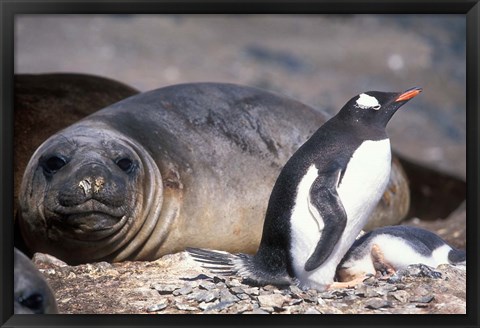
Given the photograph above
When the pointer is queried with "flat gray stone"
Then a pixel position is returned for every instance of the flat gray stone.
(377, 303)
(164, 289)
(158, 307)
(272, 300)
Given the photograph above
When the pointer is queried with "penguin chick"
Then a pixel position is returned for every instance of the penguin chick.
(389, 249)
(322, 198)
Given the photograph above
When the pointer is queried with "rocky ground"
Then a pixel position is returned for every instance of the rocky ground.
(175, 284)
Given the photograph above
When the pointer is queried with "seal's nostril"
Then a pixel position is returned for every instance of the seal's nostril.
(86, 185)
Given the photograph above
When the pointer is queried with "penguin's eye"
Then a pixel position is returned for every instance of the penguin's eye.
(33, 302)
(125, 164)
(52, 164)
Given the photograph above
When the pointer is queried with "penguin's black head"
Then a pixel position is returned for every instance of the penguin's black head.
(375, 108)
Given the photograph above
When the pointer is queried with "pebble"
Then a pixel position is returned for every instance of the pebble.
(206, 306)
(226, 296)
(164, 289)
(312, 311)
(295, 289)
(321, 301)
(158, 307)
(243, 296)
(269, 288)
(269, 309)
(311, 296)
(295, 301)
(327, 295)
(39, 258)
(401, 295)
(183, 291)
(272, 300)
(256, 311)
(367, 291)
(203, 296)
(421, 305)
(184, 307)
(244, 307)
(255, 291)
(217, 279)
(237, 290)
(377, 303)
(220, 306)
(422, 299)
(372, 281)
(207, 285)
(233, 283)
(388, 288)
(350, 298)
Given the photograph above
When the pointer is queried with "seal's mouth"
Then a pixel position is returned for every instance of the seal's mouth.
(89, 217)
(91, 221)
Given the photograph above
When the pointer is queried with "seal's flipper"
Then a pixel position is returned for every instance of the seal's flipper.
(324, 198)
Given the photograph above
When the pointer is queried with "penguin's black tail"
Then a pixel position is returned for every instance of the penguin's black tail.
(228, 264)
(217, 262)
(457, 257)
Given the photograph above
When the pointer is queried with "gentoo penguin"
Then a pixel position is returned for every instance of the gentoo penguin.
(389, 249)
(322, 198)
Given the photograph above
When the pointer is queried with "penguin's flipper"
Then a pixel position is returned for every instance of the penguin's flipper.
(325, 200)
(384, 269)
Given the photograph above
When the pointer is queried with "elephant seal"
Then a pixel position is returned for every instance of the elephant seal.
(185, 165)
(32, 294)
(47, 103)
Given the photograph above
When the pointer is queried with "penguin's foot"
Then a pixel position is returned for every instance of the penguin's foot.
(385, 272)
(347, 284)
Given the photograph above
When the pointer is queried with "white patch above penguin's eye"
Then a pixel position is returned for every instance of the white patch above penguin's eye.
(366, 101)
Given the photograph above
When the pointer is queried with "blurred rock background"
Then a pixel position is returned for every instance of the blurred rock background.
(321, 60)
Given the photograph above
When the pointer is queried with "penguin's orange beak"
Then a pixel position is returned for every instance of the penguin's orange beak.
(409, 94)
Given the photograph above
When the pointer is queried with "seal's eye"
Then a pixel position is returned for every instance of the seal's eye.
(33, 302)
(53, 164)
(125, 164)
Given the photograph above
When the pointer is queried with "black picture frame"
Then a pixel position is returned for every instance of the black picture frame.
(11, 8)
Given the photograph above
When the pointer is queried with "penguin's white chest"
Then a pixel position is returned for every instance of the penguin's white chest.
(364, 181)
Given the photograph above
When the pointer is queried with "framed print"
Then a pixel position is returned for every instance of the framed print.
(228, 159)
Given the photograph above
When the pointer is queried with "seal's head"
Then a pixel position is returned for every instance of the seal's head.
(86, 192)
(31, 292)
